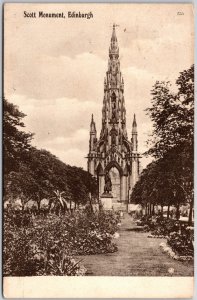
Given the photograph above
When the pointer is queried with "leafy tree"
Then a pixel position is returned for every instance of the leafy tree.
(158, 185)
(35, 174)
(21, 185)
(16, 143)
(180, 163)
(172, 114)
(169, 179)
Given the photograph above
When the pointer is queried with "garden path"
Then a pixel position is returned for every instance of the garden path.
(137, 255)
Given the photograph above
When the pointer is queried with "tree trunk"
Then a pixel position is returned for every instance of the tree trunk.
(177, 212)
(22, 204)
(162, 210)
(50, 204)
(65, 208)
(75, 205)
(153, 209)
(190, 212)
(146, 211)
(38, 202)
(149, 207)
(168, 213)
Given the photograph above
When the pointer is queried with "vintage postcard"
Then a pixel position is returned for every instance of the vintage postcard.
(98, 150)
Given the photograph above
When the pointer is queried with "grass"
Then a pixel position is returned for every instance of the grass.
(137, 256)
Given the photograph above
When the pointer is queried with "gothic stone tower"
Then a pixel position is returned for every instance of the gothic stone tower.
(113, 152)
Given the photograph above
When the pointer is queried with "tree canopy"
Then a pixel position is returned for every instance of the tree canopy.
(168, 180)
(16, 143)
(172, 114)
(33, 174)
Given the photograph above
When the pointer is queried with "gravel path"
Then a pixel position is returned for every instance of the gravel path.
(137, 255)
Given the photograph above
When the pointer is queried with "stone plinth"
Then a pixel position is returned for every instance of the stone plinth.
(120, 206)
(106, 200)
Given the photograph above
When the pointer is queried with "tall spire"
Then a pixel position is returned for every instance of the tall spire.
(134, 126)
(92, 125)
(93, 139)
(114, 38)
(134, 135)
(113, 112)
(113, 49)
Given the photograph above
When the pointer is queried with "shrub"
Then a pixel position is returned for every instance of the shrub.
(179, 236)
(182, 242)
(37, 246)
(158, 225)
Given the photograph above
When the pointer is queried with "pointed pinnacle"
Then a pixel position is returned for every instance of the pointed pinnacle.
(134, 121)
(92, 125)
(114, 38)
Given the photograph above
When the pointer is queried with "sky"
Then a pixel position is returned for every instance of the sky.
(54, 69)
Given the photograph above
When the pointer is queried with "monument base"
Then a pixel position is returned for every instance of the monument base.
(106, 200)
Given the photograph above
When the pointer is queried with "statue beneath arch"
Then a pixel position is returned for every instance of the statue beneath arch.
(108, 183)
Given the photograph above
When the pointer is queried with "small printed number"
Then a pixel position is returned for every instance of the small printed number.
(180, 13)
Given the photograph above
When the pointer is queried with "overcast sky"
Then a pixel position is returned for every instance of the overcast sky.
(55, 68)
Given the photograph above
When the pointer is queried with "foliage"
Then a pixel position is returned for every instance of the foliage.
(16, 143)
(158, 225)
(42, 174)
(32, 174)
(169, 179)
(23, 257)
(180, 236)
(172, 114)
(164, 227)
(182, 242)
(33, 247)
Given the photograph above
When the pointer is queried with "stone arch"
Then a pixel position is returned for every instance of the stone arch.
(116, 173)
(112, 164)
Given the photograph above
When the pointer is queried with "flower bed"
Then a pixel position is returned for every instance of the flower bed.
(182, 242)
(180, 237)
(158, 226)
(167, 249)
(37, 246)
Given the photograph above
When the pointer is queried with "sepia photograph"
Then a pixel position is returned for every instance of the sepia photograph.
(98, 150)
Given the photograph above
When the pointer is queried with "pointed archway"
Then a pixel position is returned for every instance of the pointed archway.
(115, 172)
(115, 180)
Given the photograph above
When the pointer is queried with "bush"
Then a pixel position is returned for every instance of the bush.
(37, 246)
(182, 242)
(18, 218)
(179, 236)
(158, 225)
(164, 227)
